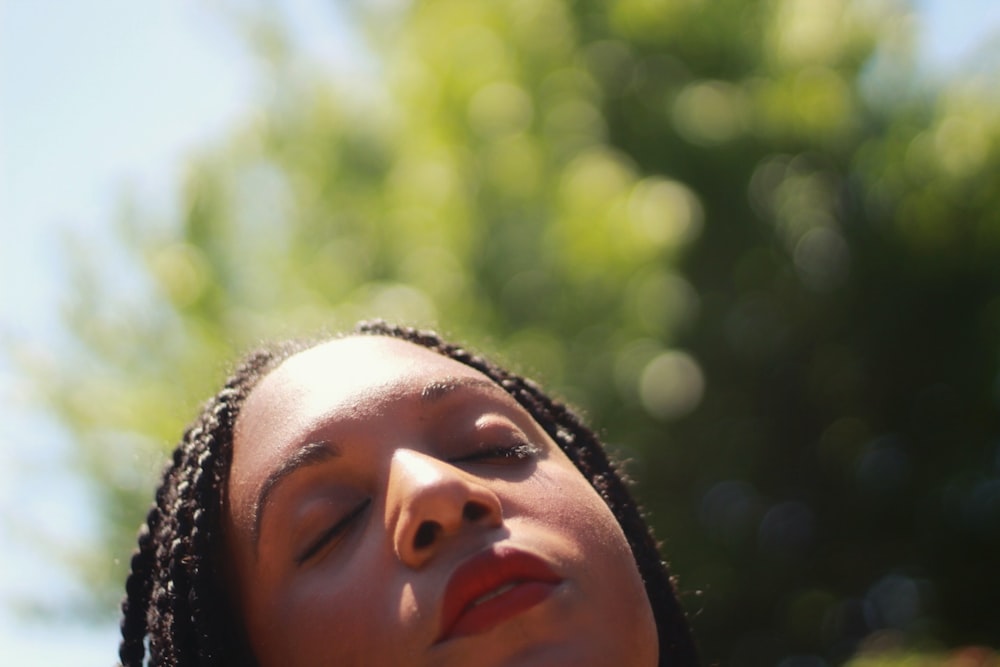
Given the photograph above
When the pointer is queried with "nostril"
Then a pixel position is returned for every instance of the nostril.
(426, 534)
(473, 511)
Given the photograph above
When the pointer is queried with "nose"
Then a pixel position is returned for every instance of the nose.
(431, 501)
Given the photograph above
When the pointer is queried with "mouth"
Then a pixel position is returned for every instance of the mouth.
(491, 587)
(494, 594)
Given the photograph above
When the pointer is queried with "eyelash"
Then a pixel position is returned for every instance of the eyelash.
(333, 532)
(521, 451)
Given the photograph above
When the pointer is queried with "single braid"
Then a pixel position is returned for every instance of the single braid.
(133, 624)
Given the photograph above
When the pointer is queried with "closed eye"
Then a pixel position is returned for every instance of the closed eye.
(501, 454)
(332, 533)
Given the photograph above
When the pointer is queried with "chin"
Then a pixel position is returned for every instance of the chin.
(547, 637)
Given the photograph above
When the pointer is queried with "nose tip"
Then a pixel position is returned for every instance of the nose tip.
(433, 501)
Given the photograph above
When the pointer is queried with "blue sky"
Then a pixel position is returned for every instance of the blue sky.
(104, 97)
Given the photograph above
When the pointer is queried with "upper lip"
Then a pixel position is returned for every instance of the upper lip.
(485, 572)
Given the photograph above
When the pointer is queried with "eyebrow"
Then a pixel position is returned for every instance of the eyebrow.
(311, 454)
(439, 389)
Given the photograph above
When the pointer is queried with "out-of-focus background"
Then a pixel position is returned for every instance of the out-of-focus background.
(757, 242)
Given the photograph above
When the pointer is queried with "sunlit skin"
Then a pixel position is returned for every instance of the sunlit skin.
(367, 471)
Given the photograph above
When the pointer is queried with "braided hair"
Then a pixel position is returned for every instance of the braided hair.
(176, 611)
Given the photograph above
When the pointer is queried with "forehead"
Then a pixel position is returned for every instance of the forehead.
(355, 375)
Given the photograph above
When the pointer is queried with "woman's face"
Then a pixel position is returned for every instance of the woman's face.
(390, 506)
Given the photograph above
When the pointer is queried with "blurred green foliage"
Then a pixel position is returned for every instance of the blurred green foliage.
(969, 656)
(740, 234)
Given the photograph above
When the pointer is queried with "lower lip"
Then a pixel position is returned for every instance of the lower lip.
(495, 611)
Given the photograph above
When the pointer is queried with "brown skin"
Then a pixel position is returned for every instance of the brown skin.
(414, 434)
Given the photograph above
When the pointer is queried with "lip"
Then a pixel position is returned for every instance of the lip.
(491, 587)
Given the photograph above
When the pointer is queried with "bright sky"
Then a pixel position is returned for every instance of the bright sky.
(102, 97)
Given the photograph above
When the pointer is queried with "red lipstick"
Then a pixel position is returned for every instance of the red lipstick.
(491, 587)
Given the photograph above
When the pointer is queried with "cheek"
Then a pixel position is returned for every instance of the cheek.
(318, 619)
(561, 497)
